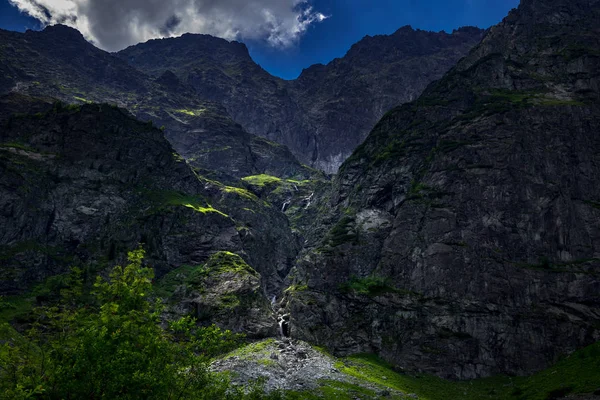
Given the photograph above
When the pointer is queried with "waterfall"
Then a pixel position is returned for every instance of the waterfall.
(309, 200)
(281, 333)
(284, 325)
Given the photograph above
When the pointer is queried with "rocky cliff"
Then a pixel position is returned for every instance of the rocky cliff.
(465, 236)
(82, 185)
(460, 239)
(324, 114)
(58, 62)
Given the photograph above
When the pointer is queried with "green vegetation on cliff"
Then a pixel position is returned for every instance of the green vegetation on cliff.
(578, 373)
(262, 180)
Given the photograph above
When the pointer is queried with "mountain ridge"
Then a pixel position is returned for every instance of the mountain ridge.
(328, 110)
(468, 217)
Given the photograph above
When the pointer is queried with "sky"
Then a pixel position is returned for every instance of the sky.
(283, 36)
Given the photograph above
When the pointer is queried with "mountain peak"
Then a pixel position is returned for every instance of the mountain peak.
(404, 30)
(63, 31)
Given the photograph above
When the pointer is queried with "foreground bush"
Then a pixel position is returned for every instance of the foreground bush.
(112, 347)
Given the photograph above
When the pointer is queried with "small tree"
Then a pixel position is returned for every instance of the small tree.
(113, 350)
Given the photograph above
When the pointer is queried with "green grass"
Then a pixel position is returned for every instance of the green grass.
(342, 232)
(261, 180)
(370, 286)
(219, 263)
(205, 210)
(578, 373)
(370, 376)
(240, 192)
(164, 198)
(225, 261)
(178, 158)
(191, 113)
(222, 262)
(296, 288)
(253, 351)
(82, 99)
(166, 286)
(331, 389)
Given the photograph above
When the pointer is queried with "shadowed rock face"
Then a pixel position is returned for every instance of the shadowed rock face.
(84, 185)
(466, 229)
(59, 63)
(324, 114)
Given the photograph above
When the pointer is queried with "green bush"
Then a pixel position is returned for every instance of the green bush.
(112, 347)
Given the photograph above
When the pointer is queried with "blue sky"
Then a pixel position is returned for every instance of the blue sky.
(348, 21)
(351, 20)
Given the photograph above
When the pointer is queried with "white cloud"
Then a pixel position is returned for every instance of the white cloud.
(115, 24)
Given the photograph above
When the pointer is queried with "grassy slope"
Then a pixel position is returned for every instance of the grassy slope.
(578, 373)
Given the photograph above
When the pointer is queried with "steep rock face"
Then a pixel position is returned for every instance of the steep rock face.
(58, 62)
(344, 99)
(225, 290)
(81, 185)
(466, 228)
(324, 114)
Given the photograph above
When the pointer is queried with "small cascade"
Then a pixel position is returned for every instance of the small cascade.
(284, 321)
(309, 200)
(285, 204)
(281, 334)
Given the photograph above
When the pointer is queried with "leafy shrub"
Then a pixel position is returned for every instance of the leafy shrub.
(113, 347)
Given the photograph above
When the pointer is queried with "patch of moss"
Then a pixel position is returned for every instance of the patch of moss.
(82, 99)
(253, 351)
(167, 285)
(229, 300)
(296, 288)
(205, 210)
(164, 198)
(370, 286)
(191, 113)
(262, 180)
(331, 389)
(342, 232)
(219, 263)
(240, 192)
(578, 373)
(178, 158)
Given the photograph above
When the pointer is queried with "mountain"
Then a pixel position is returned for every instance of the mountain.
(58, 62)
(328, 111)
(460, 239)
(82, 185)
(464, 236)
